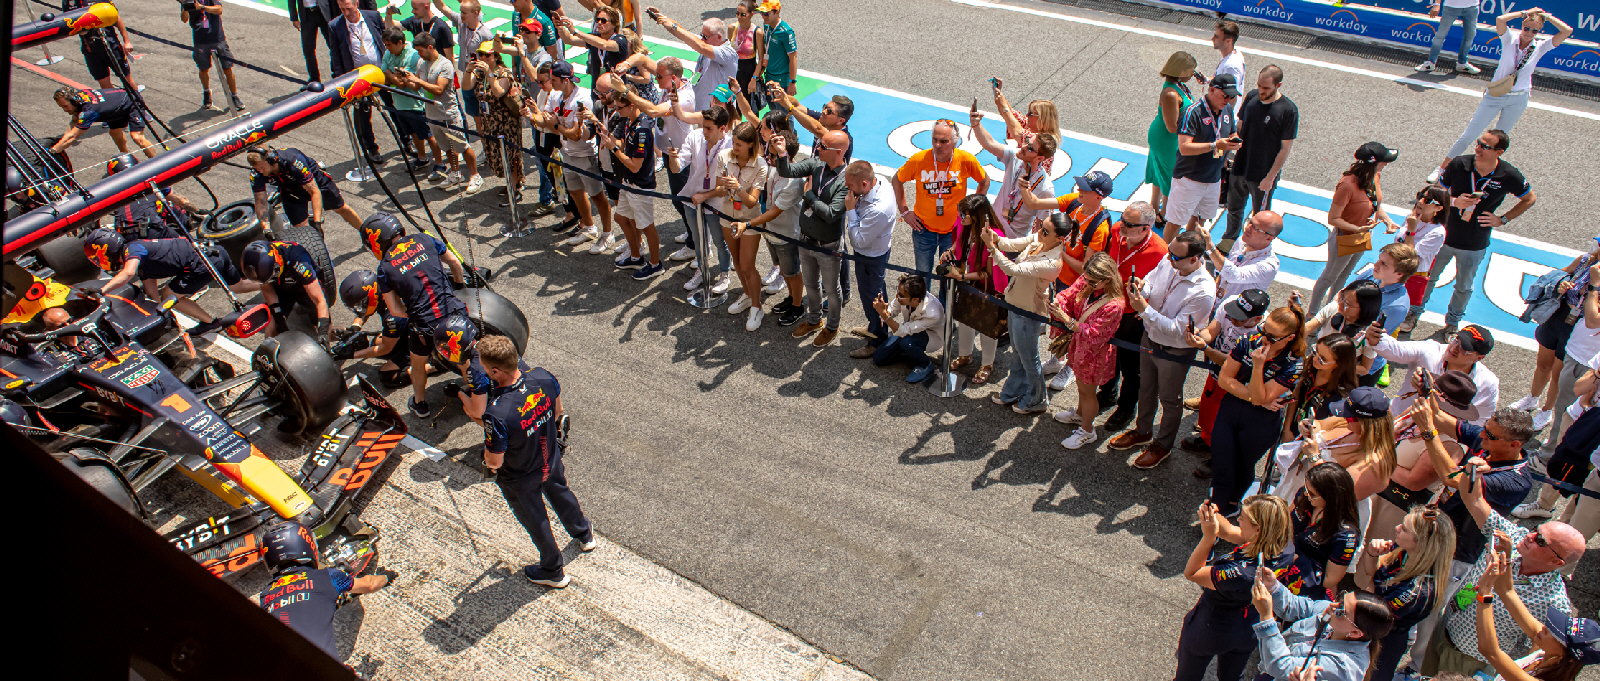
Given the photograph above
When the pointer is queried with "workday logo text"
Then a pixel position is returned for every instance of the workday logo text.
(1271, 9)
(1344, 20)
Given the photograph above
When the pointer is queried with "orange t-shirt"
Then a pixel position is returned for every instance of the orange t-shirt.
(940, 184)
(1089, 236)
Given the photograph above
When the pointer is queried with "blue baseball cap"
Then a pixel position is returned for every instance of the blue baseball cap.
(1580, 635)
(1365, 402)
(1094, 181)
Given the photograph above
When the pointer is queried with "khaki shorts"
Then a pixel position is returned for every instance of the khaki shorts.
(639, 208)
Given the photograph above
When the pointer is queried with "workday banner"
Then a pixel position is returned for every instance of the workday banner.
(1406, 22)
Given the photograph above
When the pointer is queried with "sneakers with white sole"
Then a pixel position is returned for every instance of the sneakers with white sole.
(1079, 439)
(740, 305)
(1052, 365)
(694, 282)
(753, 322)
(1532, 510)
(1061, 380)
(773, 275)
(774, 287)
(681, 238)
(624, 253)
(682, 254)
(1068, 416)
(453, 178)
(721, 284)
(1424, 67)
(1468, 69)
(474, 184)
(1433, 177)
(602, 244)
(580, 237)
(1527, 403)
(1543, 418)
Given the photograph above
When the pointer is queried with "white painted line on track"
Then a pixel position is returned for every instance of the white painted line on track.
(1275, 56)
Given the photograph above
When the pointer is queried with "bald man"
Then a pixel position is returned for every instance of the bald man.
(822, 218)
(1249, 263)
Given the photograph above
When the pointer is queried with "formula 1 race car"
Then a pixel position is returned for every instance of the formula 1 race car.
(119, 396)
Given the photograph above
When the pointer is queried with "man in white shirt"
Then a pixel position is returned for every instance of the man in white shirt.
(1465, 353)
(1224, 40)
(1251, 262)
(915, 323)
(869, 211)
(1025, 167)
(719, 59)
(1177, 297)
(574, 123)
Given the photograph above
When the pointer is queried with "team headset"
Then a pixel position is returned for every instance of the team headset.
(267, 154)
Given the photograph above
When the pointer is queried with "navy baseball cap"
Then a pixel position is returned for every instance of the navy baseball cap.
(1580, 635)
(562, 70)
(1248, 305)
(1365, 402)
(1094, 181)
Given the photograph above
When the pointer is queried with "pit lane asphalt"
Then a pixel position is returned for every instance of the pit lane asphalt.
(914, 537)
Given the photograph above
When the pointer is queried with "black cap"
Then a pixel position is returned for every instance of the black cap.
(1227, 83)
(1247, 305)
(1365, 402)
(1474, 338)
(1375, 152)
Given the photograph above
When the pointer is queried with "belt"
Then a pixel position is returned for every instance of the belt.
(813, 242)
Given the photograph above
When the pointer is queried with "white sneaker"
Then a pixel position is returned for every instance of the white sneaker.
(624, 253)
(682, 254)
(474, 184)
(1062, 379)
(1468, 69)
(773, 276)
(1052, 365)
(1068, 416)
(1078, 439)
(740, 305)
(1543, 418)
(753, 322)
(775, 286)
(614, 243)
(1433, 177)
(1424, 67)
(682, 238)
(694, 281)
(1532, 510)
(453, 178)
(580, 237)
(694, 265)
(721, 284)
(602, 244)
(1527, 403)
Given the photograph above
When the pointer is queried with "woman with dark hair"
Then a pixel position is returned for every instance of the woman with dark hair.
(1325, 532)
(1218, 626)
(1565, 646)
(1162, 138)
(1411, 570)
(971, 263)
(1350, 312)
(1258, 377)
(1342, 648)
(1357, 208)
(1552, 335)
(1330, 375)
(1425, 234)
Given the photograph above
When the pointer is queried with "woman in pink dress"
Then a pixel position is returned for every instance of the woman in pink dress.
(1092, 308)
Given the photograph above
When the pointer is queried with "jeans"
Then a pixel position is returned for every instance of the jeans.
(1024, 385)
(526, 497)
(311, 21)
(1239, 190)
(714, 229)
(912, 349)
(1448, 16)
(545, 144)
(1161, 384)
(1467, 264)
(1508, 109)
(928, 245)
(1335, 273)
(869, 285)
(821, 271)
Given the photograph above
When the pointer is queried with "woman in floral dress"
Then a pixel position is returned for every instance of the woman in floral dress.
(1092, 307)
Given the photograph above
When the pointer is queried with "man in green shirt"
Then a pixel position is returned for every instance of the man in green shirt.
(783, 53)
(400, 63)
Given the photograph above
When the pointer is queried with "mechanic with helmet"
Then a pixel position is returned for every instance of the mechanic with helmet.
(414, 283)
(151, 260)
(288, 279)
(456, 341)
(301, 595)
(113, 107)
(304, 188)
(149, 216)
(359, 293)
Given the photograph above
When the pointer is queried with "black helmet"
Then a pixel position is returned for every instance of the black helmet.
(103, 247)
(359, 292)
(260, 261)
(13, 413)
(120, 163)
(455, 338)
(380, 230)
(289, 544)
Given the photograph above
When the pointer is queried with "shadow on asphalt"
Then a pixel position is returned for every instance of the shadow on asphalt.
(492, 598)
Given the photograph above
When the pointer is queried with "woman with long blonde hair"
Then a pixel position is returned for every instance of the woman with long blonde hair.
(1091, 309)
(1412, 569)
(1219, 625)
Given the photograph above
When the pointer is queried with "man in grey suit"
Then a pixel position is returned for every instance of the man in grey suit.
(355, 38)
(822, 217)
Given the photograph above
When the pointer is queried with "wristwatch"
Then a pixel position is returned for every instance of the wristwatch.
(1505, 219)
(1429, 434)
(1485, 599)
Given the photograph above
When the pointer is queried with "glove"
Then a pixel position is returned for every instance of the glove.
(315, 224)
(323, 326)
(280, 319)
(348, 348)
(452, 390)
(457, 285)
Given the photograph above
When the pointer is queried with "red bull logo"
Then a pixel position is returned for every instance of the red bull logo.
(288, 579)
(529, 403)
(99, 254)
(451, 347)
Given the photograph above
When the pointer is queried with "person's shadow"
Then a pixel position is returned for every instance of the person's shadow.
(481, 606)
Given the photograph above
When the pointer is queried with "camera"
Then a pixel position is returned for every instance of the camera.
(655, 14)
(189, 6)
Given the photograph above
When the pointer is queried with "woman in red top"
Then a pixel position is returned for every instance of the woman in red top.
(973, 215)
(1092, 308)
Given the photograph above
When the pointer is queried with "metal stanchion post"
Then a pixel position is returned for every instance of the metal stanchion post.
(48, 58)
(704, 298)
(948, 383)
(360, 173)
(516, 228)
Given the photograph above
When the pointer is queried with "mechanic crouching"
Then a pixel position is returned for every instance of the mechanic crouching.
(151, 260)
(288, 279)
(359, 293)
(149, 216)
(417, 277)
(303, 596)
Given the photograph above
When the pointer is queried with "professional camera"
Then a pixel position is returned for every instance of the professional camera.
(189, 6)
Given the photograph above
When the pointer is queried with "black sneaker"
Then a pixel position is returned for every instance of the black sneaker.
(418, 163)
(790, 314)
(420, 410)
(631, 263)
(1119, 421)
(555, 579)
(205, 101)
(238, 104)
(648, 271)
(540, 210)
(568, 228)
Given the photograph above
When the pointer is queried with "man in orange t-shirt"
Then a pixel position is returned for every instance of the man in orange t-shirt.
(941, 175)
(1086, 209)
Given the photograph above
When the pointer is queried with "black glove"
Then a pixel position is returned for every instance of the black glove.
(323, 325)
(457, 285)
(315, 224)
(205, 327)
(452, 390)
(348, 348)
(280, 319)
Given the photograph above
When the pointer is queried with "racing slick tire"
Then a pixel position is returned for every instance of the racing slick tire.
(232, 227)
(94, 468)
(305, 380)
(496, 316)
(311, 239)
(64, 254)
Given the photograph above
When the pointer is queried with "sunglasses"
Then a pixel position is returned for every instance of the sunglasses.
(601, 20)
(1175, 258)
(1136, 225)
(1269, 337)
(1488, 147)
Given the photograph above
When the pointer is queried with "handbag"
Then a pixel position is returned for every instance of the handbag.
(1501, 87)
(976, 307)
(1059, 345)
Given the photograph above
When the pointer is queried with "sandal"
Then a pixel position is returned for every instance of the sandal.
(960, 363)
(982, 376)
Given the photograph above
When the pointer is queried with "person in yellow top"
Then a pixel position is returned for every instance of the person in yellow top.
(941, 175)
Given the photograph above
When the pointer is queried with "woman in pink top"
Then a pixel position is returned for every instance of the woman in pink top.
(973, 214)
(1093, 308)
(743, 36)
